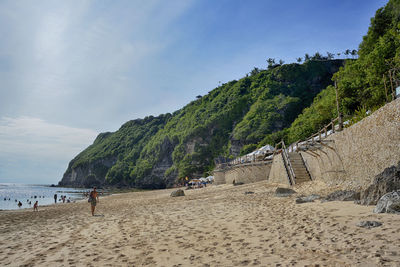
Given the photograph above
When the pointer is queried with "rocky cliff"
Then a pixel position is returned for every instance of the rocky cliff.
(156, 151)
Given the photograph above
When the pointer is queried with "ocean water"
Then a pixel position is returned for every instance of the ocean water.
(10, 192)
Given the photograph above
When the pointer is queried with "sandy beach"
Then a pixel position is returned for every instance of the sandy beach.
(213, 226)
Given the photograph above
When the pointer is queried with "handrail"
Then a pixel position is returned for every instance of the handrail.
(292, 175)
(286, 162)
(246, 159)
(307, 167)
(324, 130)
(323, 133)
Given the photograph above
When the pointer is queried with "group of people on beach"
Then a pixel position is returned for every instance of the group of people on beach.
(93, 200)
(19, 203)
(62, 198)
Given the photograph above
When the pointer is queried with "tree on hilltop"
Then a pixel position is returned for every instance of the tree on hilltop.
(330, 55)
(271, 62)
(255, 71)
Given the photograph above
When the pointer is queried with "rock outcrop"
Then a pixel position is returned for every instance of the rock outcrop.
(178, 193)
(369, 224)
(389, 203)
(88, 174)
(306, 199)
(385, 182)
(343, 195)
(284, 192)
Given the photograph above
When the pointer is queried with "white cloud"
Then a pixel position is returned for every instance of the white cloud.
(81, 62)
(33, 138)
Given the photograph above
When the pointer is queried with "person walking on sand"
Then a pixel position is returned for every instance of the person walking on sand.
(93, 199)
(35, 206)
(55, 198)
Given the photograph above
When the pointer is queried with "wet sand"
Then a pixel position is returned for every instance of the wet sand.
(213, 226)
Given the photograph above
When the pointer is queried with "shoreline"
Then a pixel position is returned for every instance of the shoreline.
(220, 225)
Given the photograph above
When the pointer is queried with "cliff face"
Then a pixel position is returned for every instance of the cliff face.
(89, 174)
(154, 152)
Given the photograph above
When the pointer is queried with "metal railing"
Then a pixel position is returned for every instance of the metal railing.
(286, 162)
(330, 128)
(323, 133)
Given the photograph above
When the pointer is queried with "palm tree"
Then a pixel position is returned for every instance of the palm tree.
(255, 71)
(317, 56)
(271, 62)
(354, 53)
(347, 52)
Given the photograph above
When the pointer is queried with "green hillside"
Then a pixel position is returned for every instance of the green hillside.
(154, 152)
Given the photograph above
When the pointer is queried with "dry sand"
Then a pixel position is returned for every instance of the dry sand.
(213, 226)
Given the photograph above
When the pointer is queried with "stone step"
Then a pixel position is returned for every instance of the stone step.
(303, 177)
(298, 165)
(301, 181)
(303, 174)
(299, 168)
(299, 176)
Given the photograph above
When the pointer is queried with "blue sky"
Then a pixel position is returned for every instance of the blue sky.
(72, 69)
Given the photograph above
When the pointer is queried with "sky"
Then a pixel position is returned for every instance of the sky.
(72, 69)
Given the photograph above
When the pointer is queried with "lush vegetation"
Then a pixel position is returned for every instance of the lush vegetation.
(153, 152)
(286, 101)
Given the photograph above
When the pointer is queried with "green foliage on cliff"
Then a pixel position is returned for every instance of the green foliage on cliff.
(153, 152)
(112, 154)
(361, 82)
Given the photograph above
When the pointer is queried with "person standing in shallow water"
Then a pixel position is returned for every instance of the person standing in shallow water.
(55, 198)
(35, 206)
(93, 199)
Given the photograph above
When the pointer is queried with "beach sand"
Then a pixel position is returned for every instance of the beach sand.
(213, 226)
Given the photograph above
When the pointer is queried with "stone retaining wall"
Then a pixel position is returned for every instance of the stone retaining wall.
(248, 173)
(219, 176)
(278, 172)
(358, 153)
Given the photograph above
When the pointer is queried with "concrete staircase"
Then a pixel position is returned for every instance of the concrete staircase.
(299, 168)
